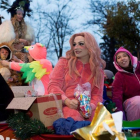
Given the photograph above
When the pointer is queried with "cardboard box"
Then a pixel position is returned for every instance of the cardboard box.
(19, 91)
(45, 108)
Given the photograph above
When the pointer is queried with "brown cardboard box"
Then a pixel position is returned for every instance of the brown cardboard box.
(45, 108)
(19, 91)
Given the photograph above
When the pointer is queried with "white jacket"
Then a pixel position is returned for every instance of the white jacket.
(7, 33)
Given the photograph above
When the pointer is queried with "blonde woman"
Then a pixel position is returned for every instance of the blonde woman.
(16, 32)
(82, 64)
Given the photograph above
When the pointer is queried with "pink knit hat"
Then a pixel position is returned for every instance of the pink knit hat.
(133, 59)
(122, 49)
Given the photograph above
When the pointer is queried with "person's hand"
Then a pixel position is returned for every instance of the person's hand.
(24, 41)
(14, 58)
(71, 103)
(4, 63)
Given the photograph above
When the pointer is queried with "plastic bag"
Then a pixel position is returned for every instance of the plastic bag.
(83, 94)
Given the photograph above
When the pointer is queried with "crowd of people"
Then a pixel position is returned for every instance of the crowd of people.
(81, 71)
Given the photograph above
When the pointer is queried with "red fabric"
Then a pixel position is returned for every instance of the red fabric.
(57, 137)
(62, 82)
(5, 131)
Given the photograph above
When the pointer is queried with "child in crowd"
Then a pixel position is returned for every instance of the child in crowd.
(11, 77)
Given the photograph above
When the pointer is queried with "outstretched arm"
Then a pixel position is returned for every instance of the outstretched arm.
(11, 65)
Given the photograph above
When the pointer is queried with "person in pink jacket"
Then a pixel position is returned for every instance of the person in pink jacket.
(82, 64)
(37, 72)
(126, 85)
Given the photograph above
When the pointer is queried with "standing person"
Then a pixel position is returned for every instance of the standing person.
(82, 64)
(126, 86)
(16, 31)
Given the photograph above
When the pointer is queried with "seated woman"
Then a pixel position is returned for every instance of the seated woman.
(126, 85)
(82, 64)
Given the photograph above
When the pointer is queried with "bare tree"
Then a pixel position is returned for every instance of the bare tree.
(3, 5)
(1, 17)
(118, 23)
(99, 12)
(53, 25)
(123, 25)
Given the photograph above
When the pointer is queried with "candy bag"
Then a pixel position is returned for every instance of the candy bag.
(83, 94)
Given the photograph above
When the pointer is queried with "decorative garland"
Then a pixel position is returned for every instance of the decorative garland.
(24, 127)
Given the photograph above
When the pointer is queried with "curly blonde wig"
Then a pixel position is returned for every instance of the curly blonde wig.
(20, 28)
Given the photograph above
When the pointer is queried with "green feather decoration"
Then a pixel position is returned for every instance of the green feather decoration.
(27, 72)
(24, 127)
(37, 69)
(32, 70)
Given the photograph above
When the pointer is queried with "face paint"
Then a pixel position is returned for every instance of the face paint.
(80, 50)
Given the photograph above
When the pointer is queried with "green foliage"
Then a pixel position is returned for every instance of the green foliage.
(119, 22)
(110, 106)
(123, 25)
(100, 10)
(24, 127)
(108, 50)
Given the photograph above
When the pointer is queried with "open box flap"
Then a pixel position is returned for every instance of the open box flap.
(21, 103)
(19, 91)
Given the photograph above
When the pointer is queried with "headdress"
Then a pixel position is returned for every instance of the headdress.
(17, 4)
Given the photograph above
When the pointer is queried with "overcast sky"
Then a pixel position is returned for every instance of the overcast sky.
(80, 8)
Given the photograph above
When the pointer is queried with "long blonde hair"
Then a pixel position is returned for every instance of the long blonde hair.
(20, 28)
(95, 61)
